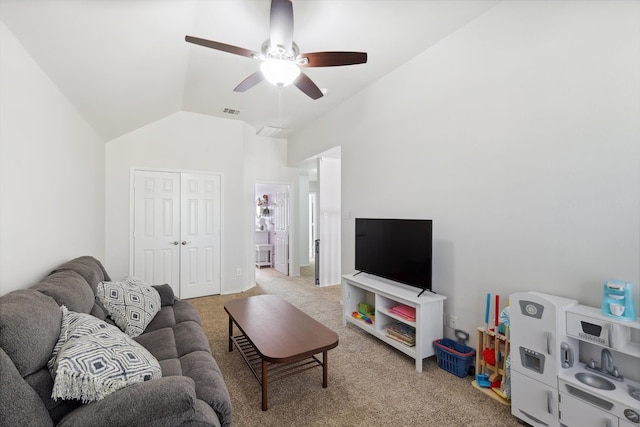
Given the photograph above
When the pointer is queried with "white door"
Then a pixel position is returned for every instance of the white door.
(156, 233)
(200, 255)
(177, 231)
(281, 232)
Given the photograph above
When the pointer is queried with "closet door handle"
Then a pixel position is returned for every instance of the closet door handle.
(184, 242)
(175, 242)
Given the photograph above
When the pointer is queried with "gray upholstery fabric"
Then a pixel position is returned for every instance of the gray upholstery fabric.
(189, 338)
(68, 288)
(93, 273)
(164, 319)
(23, 405)
(89, 268)
(30, 324)
(210, 385)
(42, 383)
(203, 415)
(184, 311)
(192, 391)
(161, 343)
(163, 402)
(166, 294)
(170, 367)
(98, 310)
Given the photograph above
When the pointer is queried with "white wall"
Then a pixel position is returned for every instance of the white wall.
(519, 135)
(303, 219)
(51, 174)
(329, 220)
(190, 142)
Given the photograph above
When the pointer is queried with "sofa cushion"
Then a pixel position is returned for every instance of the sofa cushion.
(19, 403)
(184, 311)
(30, 325)
(68, 288)
(169, 316)
(190, 338)
(93, 273)
(161, 343)
(131, 303)
(89, 268)
(93, 359)
(42, 383)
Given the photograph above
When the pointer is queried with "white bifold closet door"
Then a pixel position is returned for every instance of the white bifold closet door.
(176, 236)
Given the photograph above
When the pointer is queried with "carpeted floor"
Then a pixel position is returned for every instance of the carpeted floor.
(370, 383)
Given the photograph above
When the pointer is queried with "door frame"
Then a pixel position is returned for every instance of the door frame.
(293, 198)
(132, 171)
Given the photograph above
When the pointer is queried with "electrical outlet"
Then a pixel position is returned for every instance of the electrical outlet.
(238, 272)
(453, 321)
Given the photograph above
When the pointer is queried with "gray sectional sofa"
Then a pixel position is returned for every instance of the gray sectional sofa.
(191, 391)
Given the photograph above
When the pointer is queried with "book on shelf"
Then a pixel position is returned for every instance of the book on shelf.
(407, 343)
(404, 311)
(401, 332)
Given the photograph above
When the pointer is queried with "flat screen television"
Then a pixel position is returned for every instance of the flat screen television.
(395, 249)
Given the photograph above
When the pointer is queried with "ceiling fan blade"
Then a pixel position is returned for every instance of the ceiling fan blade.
(333, 59)
(249, 82)
(222, 46)
(305, 84)
(281, 24)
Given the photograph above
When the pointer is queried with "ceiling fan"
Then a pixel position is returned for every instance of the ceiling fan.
(281, 59)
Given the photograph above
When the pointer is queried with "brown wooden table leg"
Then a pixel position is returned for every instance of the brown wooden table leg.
(324, 369)
(230, 334)
(264, 385)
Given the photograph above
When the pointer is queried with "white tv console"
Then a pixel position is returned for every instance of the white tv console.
(384, 294)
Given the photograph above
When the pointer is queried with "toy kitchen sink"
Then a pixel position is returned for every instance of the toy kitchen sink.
(621, 402)
(596, 392)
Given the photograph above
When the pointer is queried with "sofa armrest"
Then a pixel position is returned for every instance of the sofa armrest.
(165, 401)
(166, 294)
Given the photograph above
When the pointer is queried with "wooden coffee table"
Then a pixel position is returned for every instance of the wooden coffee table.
(277, 340)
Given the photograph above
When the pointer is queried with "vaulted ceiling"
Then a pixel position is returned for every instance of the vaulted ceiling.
(125, 63)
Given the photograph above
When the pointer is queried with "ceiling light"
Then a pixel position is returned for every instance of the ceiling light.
(280, 72)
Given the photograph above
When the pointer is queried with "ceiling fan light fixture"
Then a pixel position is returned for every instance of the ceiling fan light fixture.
(280, 72)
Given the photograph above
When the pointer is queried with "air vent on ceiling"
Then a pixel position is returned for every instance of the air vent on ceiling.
(273, 132)
(232, 111)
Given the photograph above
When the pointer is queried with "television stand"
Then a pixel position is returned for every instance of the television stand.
(384, 294)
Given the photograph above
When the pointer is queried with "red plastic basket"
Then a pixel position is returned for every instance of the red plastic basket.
(454, 357)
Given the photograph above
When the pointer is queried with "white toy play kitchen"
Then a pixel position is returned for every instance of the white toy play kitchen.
(573, 365)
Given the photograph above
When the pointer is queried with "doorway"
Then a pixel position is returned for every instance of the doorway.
(176, 231)
(272, 226)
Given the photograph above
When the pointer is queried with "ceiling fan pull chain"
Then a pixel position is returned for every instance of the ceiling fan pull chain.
(280, 107)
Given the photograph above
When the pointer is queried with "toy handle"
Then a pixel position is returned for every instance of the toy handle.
(548, 336)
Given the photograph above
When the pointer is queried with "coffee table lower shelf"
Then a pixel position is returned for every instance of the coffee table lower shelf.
(267, 372)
